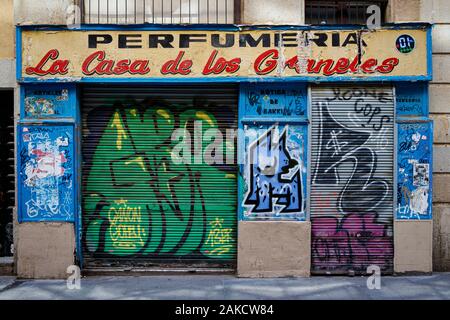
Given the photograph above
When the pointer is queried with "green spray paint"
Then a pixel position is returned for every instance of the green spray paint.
(138, 202)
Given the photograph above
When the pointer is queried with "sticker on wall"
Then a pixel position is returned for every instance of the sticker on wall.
(46, 173)
(275, 172)
(46, 102)
(414, 167)
(405, 43)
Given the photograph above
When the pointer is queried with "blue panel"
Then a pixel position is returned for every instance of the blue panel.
(414, 165)
(48, 101)
(412, 99)
(272, 100)
(274, 172)
(46, 173)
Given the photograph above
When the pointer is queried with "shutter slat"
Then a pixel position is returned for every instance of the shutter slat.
(140, 209)
(352, 178)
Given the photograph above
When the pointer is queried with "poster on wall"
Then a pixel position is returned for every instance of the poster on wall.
(46, 173)
(414, 196)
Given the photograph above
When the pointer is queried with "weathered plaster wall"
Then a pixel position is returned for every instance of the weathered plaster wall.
(272, 12)
(274, 249)
(441, 236)
(6, 29)
(413, 246)
(438, 13)
(44, 250)
(8, 73)
(30, 12)
(7, 47)
(403, 10)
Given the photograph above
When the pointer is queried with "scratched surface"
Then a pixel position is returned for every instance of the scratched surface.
(66, 54)
(46, 173)
(414, 171)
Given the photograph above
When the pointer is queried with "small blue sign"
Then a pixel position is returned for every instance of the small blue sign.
(48, 101)
(411, 99)
(271, 100)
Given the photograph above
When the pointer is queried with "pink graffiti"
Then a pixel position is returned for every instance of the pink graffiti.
(357, 241)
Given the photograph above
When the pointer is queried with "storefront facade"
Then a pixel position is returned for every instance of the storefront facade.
(272, 151)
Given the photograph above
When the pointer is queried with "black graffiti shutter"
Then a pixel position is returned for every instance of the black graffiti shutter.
(352, 178)
(141, 208)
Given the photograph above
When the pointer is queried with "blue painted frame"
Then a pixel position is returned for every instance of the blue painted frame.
(23, 191)
(201, 27)
(69, 105)
(78, 163)
(407, 151)
(72, 119)
(244, 119)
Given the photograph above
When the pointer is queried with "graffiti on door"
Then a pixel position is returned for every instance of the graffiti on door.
(338, 144)
(274, 172)
(351, 184)
(138, 201)
(414, 159)
(46, 173)
(47, 102)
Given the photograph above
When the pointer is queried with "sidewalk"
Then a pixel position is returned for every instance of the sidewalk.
(203, 287)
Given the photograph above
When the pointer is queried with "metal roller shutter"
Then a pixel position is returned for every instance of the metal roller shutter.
(140, 208)
(352, 178)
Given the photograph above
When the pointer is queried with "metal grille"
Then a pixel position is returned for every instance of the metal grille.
(352, 178)
(159, 11)
(340, 12)
(140, 208)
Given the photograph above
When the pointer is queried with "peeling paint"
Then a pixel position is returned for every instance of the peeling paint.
(311, 54)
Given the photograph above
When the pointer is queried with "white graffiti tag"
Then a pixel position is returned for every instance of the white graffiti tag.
(46, 176)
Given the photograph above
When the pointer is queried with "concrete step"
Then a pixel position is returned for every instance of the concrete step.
(134, 271)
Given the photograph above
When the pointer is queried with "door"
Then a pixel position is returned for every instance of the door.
(159, 189)
(7, 191)
(352, 178)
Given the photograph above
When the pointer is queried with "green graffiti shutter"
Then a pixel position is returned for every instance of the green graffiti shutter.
(140, 207)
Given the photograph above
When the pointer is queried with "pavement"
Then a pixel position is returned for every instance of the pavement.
(228, 287)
